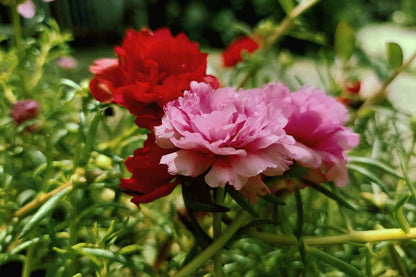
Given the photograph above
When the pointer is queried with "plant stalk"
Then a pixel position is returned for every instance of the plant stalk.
(211, 250)
(216, 224)
(40, 200)
(287, 22)
(354, 236)
(27, 266)
(381, 94)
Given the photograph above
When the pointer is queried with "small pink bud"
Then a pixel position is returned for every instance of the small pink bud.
(67, 63)
(24, 110)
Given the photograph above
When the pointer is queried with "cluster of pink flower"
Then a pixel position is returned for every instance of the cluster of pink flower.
(227, 136)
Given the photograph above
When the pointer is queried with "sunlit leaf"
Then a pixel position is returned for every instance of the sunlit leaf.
(394, 54)
(344, 41)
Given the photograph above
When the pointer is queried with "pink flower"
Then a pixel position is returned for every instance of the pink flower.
(27, 9)
(24, 110)
(67, 63)
(316, 123)
(232, 136)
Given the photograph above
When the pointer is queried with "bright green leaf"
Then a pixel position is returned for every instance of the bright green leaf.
(44, 211)
(344, 41)
(287, 5)
(394, 54)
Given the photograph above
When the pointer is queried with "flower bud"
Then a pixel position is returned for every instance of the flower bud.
(353, 87)
(24, 110)
(67, 63)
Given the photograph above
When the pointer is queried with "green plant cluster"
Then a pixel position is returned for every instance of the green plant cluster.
(62, 213)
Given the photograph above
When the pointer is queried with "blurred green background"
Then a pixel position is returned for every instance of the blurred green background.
(210, 22)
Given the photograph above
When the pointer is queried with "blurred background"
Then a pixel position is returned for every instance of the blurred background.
(97, 26)
(210, 22)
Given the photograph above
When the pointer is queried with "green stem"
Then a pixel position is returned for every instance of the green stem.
(397, 261)
(17, 30)
(205, 255)
(287, 22)
(281, 30)
(409, 156)
(73, 232)
(216, 224)
(381, 94)
(27, 267)
(354, 236)
(40, 200)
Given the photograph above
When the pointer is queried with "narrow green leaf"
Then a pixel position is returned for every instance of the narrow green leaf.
(306, 35)
(130, 249)
(368, 269)
(70, 83)
(373, 178)
(297, 171)
(398, 213)
(191, 254)
(404, 168)
(273, 199)
(91, 136)
(44, 211)
(299, 211)
(243, 28)
(344, 41)
(241, 200)
(335, 262)
(107, 254)
(287, 5)
(18, 249)
(202, 238)
(394, 54)
(330, 194)
(206, 207)
(377, 164)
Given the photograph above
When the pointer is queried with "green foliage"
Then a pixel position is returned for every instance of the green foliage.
(344, 41)
(394, 54)
(90, 229)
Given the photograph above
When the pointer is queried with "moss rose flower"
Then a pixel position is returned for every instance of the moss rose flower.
(152, 69)
(150, 179)
(234, 136)
(232, 55)
(316, 123)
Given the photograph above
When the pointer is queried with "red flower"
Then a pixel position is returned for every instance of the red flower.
(232, 55)
(24, 110)
(353, 87)
(153, 68)
(150, 179)
(107, 79)
(343, 100)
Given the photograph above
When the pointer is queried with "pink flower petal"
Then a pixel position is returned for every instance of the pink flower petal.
(187, 163)
(254, 189)
(27, 9)
(222, 173)
(275, 157)
(304, 155)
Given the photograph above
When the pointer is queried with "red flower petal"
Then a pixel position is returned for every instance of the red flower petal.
(232, 55)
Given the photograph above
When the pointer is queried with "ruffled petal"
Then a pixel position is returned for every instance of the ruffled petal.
(187, 163)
